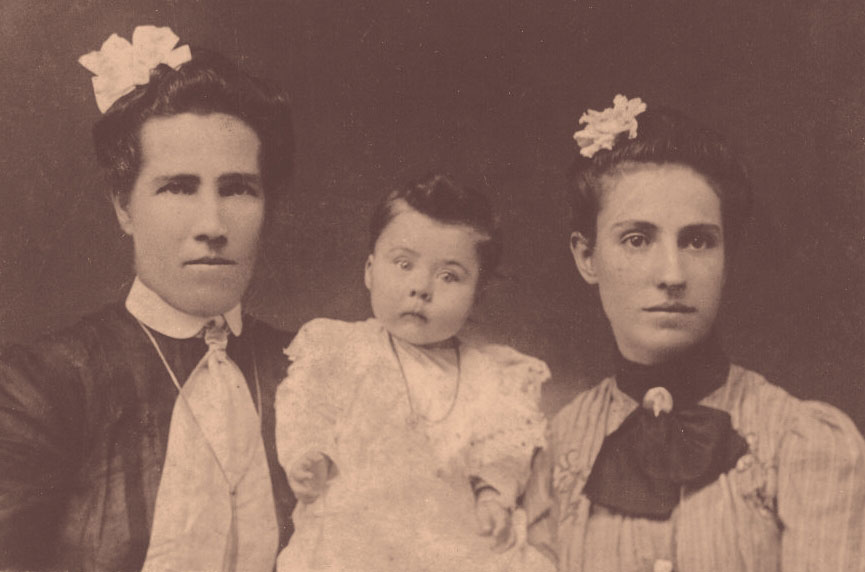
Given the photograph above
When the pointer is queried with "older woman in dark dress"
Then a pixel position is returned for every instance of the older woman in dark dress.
(142, 436)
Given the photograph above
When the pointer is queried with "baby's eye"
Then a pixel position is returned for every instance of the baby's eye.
(449, 277)
(403, 264)
(177, 188)
(636, 240)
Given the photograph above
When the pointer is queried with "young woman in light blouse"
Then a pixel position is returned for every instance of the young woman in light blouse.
(681, 460)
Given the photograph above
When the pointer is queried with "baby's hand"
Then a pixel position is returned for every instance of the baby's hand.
(494, 520)
(308, 477)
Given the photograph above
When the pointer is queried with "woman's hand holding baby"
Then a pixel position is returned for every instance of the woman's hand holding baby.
(494, 519)
(309, 475)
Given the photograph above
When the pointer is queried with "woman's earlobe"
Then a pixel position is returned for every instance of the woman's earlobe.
(367, 272)
(583, 252)
(122, 213)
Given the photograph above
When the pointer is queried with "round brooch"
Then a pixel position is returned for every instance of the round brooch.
(658, 400)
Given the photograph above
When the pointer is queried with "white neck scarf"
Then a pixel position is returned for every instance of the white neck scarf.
(214, 507)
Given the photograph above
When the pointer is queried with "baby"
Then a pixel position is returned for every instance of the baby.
(401, 441)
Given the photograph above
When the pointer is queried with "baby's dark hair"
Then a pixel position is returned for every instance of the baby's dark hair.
(664, 136)
(208, 83)
(443, 200)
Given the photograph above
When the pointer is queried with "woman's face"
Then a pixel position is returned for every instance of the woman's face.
(658, 259)
(196, 210)
(423, 276)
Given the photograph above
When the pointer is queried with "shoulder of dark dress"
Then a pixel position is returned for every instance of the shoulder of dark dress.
(266, 336)
(268, 343)
(74, 346)
(55, 377)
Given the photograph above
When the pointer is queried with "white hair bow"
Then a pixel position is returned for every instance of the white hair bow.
(120, 66)
(602, 127)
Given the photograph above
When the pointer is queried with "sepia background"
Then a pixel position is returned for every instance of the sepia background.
(489, 91)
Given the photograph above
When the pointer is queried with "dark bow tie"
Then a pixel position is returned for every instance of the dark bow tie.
(669, 441)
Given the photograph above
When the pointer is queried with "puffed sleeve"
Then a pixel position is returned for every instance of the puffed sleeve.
(314, 394)
(509, 426)
(39, 441)
(821, 491)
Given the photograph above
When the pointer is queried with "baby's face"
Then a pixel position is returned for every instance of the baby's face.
(422, 277)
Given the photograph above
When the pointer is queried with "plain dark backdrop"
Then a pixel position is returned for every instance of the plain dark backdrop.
(489, 91)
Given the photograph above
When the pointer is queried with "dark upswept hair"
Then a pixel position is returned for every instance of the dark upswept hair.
(208, 83)
(664, 136)
(442, 199)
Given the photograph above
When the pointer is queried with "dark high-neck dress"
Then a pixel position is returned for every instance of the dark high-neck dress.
(84, 421)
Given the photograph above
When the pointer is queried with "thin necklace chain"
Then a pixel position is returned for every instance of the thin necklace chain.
(415, 415)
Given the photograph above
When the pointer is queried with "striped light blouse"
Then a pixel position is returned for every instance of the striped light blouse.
(795, 502)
